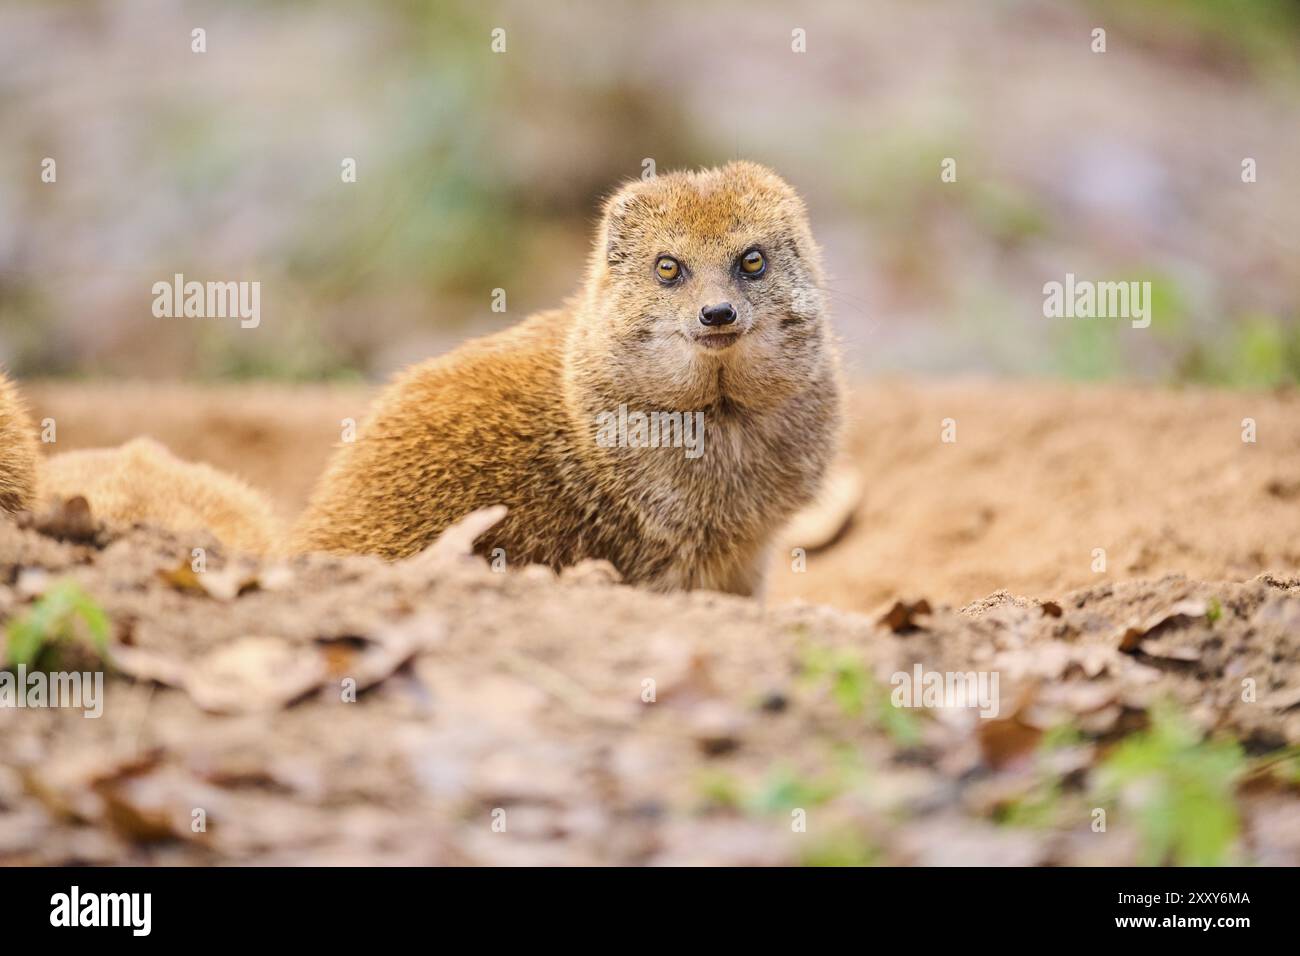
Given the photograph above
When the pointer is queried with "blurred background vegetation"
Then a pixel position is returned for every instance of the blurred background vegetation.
(480, 170)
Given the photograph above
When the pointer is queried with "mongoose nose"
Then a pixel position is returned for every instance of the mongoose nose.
(721, 314)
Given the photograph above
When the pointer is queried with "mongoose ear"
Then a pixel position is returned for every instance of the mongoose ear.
(617, 224)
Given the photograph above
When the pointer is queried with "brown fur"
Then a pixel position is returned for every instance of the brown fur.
(141, 481)
(17, 451)
(511, 419)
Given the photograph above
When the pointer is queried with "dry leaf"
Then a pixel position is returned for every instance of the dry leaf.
(67, 785)
(255, 674)
(1007, 739)
(228, 583)
(144, 665)
(1102, 721)
(1282, 700)
(1051, 609)
(457, 542)
(591, 571)
(1180, 613)
(902, 617)
(182, 578)
(685, 675)
(1002, 742)
(371, 659)
(1049, 659)
(1095, 659)
(224, 585)
(1083, 697)
(716, 727)
(1166, 649)
(149, 807)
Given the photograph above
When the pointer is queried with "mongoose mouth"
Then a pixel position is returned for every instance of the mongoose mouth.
(717, 340)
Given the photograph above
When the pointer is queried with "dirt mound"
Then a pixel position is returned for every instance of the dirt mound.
(1038, 478)
(517, 717)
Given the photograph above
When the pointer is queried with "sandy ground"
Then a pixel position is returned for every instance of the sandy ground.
(1147, 714)
(1039, 476)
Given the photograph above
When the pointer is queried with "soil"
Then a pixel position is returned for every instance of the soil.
(515, 717)
(1038, 477)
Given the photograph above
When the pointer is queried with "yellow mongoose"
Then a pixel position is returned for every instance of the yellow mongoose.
(702, 304)
(141, 481)
(17, 451)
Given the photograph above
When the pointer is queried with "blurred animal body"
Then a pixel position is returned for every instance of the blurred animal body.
(142, 482)
(18, 453)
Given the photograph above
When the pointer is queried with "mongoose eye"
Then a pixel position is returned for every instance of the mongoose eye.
(753, 264)
(667, 269)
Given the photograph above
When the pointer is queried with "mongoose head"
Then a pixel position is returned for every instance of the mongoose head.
(704, 287)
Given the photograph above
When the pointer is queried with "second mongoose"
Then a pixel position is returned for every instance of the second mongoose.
(141, 482)
(17, 451)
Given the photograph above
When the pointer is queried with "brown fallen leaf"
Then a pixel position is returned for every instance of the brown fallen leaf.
(148, 666)
(1002, 742)
(1007, 739)
(228, 583)
(368, 660)
(1282, 700)
(1096, 659)
(716, 727)
(154, 806)
(1051, 609)
(456, 543)
(501, 703)
(239, 769)
(1165, 649)
(182, 578)
(341, 654)
(224, 585)
(1082, 697)
(67, 784)
(1134, 634)
(902, 617)
(1100, 721)
(591, 571)
(255, 674)
(1049, 659)
(686, 675)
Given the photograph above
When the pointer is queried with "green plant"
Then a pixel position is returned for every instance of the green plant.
(1043, 803)
(857, 693)
(719, 790)
(846, 847)
(65, 614)
(784, 789)
(1214, 611)
(1181, 787)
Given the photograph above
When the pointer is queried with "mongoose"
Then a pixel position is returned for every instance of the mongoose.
(141, 481)
(17, 451)
(702, 295)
